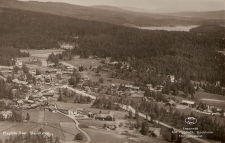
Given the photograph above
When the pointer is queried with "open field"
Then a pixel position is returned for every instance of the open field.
(35, 115)
(85, 62)
(103, 136)
(63, 118)
(94, 122)
(42, 53)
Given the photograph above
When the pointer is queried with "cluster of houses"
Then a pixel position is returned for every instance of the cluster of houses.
(80, 112)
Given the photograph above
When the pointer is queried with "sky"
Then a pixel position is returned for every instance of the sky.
(152, 5)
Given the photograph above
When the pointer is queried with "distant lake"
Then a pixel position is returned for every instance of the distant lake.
(167, 28)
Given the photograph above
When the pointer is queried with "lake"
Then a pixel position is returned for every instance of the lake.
(168, 28)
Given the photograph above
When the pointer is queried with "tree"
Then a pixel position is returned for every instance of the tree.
(56, 140)
(79, 136)
(60, 98)
(130, 114)
(28, 116)
(147, 93)
(144, 128)
(25, 68)
(38, 72)
(100, 80)
(16, 69)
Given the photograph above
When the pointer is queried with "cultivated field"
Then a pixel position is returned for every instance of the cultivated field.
(55, 123)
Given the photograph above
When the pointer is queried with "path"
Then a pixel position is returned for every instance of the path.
(77, 125)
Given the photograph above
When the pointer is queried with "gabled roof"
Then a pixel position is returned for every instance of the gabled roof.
(188, 102)
(156, 131)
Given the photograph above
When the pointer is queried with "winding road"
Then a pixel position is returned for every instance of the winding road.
(77, 125)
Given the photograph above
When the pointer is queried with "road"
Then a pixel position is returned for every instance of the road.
(77, 125)
(129, 108)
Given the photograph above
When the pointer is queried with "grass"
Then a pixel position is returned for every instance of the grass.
(102, 136)
(96, 123)
(63, 118)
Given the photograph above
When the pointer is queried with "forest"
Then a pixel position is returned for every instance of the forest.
(184, 54)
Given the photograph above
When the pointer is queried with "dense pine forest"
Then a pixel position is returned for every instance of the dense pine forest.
(185, 54)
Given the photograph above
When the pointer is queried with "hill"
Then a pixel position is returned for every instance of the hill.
(203, 15)
(184, 54)
(107, 14)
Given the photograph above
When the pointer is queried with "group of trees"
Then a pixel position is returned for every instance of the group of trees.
(65, 95)
(9, 54)
(74, 78)
(184, 54)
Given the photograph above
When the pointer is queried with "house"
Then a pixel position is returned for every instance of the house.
(105, 116)
(18, 63)
(154, 132)
(135, 88)
(47, 136)
(128, 87)
(187, 103)
(107, 60)
(78, 111)
(20, 102)
(6, 114)
(33, 105)
(148, 85)
(171, 103)
(66, 46)
(19, 82)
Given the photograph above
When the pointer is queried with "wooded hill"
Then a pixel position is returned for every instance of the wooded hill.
(107, 14)
(184, 54)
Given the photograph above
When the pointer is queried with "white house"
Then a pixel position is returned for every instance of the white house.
(78, 111)
(6, 114)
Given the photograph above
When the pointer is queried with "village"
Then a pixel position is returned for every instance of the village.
(44, 89)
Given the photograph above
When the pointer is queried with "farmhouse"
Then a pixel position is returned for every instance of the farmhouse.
(154, 132)
(105, 116)
(20, 102)
(6, 114)
(171, 103)
(19, 63)
(188, 103)
(19, 82)
(78, 111)
(66, 46)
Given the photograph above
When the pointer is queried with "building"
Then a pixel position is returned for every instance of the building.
(171, 103)
(20, 102)
(105, 116)
(78, 111)
(6, 114)
(66, 46)
(154, 132)
(187, 103)
(18, 63)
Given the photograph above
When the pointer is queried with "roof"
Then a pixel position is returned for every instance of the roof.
(6, 112)
(188, 102)
(149, 85)
(171, 102)
(156, 131)
(129, 86)
(2, 78)
(135, 87)
(20, 101)
(19, 82)
(33, 105)
(104, 115)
